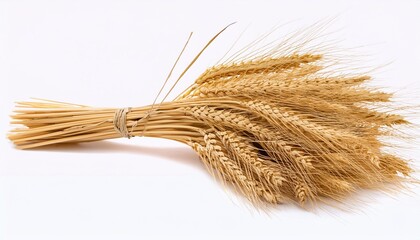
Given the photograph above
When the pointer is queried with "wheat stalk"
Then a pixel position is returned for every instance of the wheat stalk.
(279, 129)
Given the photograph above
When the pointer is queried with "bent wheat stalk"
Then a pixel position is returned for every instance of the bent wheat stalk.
(278, 128)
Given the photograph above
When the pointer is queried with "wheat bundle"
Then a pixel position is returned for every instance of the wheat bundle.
(275, 126)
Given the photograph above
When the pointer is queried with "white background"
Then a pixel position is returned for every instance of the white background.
(117, 53)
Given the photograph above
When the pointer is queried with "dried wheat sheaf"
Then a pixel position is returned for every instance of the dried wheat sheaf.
(277, 125)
